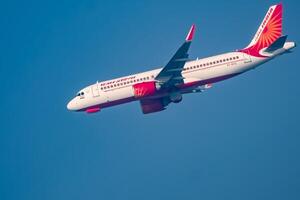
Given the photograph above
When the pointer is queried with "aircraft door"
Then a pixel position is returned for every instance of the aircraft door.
(247, 57)
(95, 90)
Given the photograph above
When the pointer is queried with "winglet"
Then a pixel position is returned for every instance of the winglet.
(190, 35)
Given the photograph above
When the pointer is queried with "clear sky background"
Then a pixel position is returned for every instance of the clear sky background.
(238, 140)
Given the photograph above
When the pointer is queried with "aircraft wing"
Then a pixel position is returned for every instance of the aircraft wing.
(170, 75)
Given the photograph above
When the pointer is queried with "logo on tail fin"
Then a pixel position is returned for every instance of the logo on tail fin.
(269, 31)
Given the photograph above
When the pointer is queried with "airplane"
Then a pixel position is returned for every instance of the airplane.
(157, 88)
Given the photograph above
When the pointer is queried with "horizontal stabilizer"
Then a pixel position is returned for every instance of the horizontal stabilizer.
(277, 44)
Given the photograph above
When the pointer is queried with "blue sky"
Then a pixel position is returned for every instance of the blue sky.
(238, 140)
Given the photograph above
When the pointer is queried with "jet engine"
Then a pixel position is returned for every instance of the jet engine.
(175, 97)
(145, 89)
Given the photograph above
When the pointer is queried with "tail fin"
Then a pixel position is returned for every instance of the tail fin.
(268, 32)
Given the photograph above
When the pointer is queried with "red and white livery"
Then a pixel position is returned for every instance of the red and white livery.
(157, 88)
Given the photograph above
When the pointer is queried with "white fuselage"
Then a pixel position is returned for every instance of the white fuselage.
(200, 72)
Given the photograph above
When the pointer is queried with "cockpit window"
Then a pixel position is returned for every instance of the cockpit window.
(80, 94)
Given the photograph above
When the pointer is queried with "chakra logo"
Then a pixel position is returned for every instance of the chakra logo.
(272, 30)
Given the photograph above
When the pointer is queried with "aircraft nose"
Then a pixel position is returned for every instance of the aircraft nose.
(71, 105)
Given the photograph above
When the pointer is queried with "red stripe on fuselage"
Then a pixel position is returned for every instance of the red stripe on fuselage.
(183, 86)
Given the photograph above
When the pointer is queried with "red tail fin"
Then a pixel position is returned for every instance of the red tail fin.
(269, 31)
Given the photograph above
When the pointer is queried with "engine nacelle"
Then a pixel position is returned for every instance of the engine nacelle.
(145, 89)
